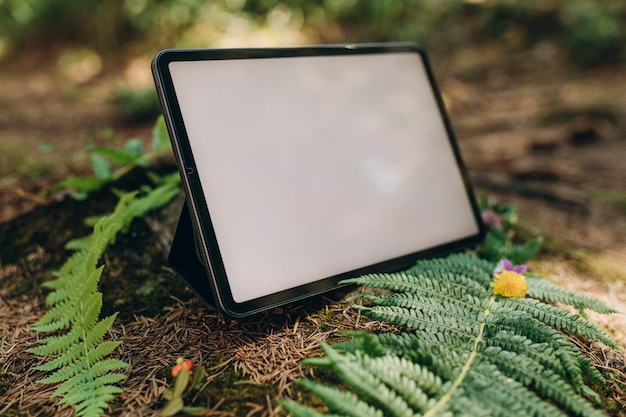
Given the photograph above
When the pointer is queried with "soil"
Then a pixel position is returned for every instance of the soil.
(533, 131)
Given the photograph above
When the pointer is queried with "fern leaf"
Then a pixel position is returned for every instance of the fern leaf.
(79, 243)
(66, 309)
(572, 361)
(299, 410)
(364, 341)
(96, 333)
(560, 319)
(56, 318)
(102, 350)
(504, 396)
(65, 374)
(54, 345)
(367, 384)
(410, 342)
(464, 263)
(95, 407)
(419, 320)
(71, 355)
(542, 353)
(86, 377)
(81, 387)
(342, 402)
(437, 283)
(486, 354)
(107, 365)
(438, 293)
(433, 304)
(412, 382)
(543, 380)
(543, 289)
(64, 314)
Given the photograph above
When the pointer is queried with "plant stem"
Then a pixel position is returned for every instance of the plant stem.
(445, 399)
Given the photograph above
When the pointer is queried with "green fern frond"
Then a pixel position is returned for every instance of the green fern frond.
(87, 378)
(432, 304)
(55, 345)
(457, 264)
(531, 374)
(410, 342)
(545, 290)
(363, 341)
(98, 331)
(299, 410)
(403, 373)
(438, 285)
(70, 356)
(342, 402)
(370, 386)
(541, 353)
(487, 386)
(465, 351)
(435, 322)
(95, 401)
(559, 318)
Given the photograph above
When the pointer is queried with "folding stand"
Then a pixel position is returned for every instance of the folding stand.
(184, 259)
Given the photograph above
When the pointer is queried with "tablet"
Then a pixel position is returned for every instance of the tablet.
(303, 166)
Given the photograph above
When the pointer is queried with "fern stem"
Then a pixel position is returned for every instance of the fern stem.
(443, 401)
(143, 159)
(84, 343)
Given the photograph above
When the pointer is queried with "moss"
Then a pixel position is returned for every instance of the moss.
(592, 112)
(48, 227)
(616, 198)
(237, 395)
(6, 381)
(591, 264)
(135, 280)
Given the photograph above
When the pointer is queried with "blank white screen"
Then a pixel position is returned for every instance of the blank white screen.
(315, 166)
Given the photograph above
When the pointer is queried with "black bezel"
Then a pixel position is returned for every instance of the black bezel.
(207, 242)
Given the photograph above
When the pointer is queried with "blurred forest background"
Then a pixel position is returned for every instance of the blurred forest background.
(534, 87)
(590, 31)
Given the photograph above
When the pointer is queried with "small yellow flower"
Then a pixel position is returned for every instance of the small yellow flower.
(509, 284)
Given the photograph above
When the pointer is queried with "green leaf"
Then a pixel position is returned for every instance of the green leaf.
(101, 167)
(45, 147)
(134, 149)
(518, 254)
(194, 411)
(84, 184)
(172, 407)
(160, 136)
(117, 157)
(180, 383)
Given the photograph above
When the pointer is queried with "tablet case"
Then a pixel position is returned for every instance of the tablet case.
(184, 258)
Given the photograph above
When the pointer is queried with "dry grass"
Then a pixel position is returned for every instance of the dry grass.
(263, 351)
(261, 354)
(610, 291)
(613, 365)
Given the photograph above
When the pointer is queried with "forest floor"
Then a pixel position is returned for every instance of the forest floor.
(533, 131)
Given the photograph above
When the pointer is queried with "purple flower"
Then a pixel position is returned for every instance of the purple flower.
(508, 266)
(490, 217)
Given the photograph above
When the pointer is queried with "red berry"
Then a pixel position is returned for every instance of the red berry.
(187, 364)
(176, 369)
(182, 364)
